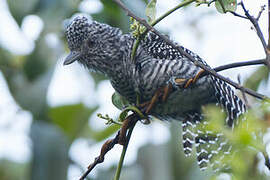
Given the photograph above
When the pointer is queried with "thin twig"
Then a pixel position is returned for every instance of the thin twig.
(260, 13)
(240, 64)
(255, 23)
(71, 161)
(120, 138)
(256, 26)
(197, 63)
(107, 146)
(237, 15)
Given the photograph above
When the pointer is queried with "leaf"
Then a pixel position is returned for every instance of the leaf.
(224, 6)
(119, 101)
(255, 79)
(71, 118)
(150, 11)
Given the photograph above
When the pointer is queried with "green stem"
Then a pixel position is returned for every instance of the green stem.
(136, 44)
(120, 163)
(184, 3)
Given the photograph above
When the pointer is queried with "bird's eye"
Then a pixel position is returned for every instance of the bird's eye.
(90, 43)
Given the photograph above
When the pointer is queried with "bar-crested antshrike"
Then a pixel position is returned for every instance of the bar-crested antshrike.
(167, 82)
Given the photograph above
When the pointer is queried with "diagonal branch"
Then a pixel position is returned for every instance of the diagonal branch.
(197, 63)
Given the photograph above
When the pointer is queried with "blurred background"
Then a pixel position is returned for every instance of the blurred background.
(48, 123)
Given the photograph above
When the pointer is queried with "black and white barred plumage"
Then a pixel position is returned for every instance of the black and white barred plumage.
(105, 49)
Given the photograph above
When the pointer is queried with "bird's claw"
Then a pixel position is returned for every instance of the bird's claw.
(187, 82)
(162, 92)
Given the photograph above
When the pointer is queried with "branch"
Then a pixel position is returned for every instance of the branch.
(237, 15)
(107, 146)
(240, 64)
(121, 139)
(255, 23)
(260, 13)
(197, 63)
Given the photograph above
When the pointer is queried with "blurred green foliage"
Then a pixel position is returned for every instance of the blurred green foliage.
(246, 140)
(54, 129)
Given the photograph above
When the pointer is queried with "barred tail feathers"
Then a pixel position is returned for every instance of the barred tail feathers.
(188, 131)
(210, 147)
(232, 104)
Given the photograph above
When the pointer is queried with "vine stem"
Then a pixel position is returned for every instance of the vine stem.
(136, 44)
(182, 4)
(122, 157)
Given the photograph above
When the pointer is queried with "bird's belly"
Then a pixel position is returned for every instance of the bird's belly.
(182, 101)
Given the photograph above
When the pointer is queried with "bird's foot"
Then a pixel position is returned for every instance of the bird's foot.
(162, 93)
(187, 82)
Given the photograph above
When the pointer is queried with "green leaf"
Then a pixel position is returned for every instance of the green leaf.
(72, 119)
(224, 6)
(255, 79)
(119, 101)
(150, 11)
(101, 134)
(123, 116)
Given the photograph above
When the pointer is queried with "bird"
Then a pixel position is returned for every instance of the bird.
(163, 79)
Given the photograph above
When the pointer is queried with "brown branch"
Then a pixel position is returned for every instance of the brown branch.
(260, 13)
(238, 15)
(240, 64)
(255, 23)
(256, 26)
(236, 65)
(106, 147)
(129, 122)
(197, 63)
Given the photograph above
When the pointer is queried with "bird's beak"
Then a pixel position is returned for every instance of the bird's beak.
(73, 56)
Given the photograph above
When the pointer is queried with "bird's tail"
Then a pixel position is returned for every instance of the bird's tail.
(232, 104)
(212, 147)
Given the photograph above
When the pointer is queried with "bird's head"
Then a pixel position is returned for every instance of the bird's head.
(91, 43)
